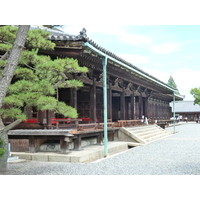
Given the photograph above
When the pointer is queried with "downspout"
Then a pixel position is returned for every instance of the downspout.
(174, 115)
(105, 106)
(105, 58)
(104, 63)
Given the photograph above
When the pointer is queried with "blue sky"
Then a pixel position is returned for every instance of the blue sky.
(163, 40)
(160, 50)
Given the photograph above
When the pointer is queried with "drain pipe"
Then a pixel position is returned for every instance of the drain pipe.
(105, 58)
(104, 62)
(174, 112)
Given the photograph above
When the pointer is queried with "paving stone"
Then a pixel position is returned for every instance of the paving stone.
(40, 157)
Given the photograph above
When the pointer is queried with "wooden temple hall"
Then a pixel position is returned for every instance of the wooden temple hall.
(131, 92)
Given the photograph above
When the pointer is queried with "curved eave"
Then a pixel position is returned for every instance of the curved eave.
(179, 97)
(131, 68)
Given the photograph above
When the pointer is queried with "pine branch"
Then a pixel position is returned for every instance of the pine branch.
(12, 125)
(1, 41)
(29, 66)
(5, 56)
(64, 78)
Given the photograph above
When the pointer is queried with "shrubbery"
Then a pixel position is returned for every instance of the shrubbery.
(2, 151)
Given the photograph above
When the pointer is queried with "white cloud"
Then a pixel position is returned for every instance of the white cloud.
(186, 79)
(165, 48)
(135, 59)
(135, 39)
(162, 76)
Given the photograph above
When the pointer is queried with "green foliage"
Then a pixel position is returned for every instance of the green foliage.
(2, 150)
(2, 63)
(38, 39)
(196, 94)
(71, 84)
(172, 83)
(37, 77)
(15, 113)
(7, 34)
(5, 47)
(65, 110)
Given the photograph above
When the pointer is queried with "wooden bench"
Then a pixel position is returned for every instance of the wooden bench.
(62, 123)
(121, 123)
(124, 123)
(138, 122)
(86, 127)
(37, 137)
(109, 125)
(133, 122)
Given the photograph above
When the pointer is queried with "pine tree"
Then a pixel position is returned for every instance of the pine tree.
(8, 69)
(172, 83)
(37, 78)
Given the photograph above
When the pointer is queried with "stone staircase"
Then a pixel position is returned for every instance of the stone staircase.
(141, 135)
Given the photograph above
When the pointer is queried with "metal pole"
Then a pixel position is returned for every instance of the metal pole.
(174, 111)
(105, 106)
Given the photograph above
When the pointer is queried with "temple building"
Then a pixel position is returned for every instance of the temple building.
(114, 91)
(131, 92)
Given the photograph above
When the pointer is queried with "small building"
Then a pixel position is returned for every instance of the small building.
(187, 109)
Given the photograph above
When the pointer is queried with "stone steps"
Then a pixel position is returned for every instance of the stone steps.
(144, 134)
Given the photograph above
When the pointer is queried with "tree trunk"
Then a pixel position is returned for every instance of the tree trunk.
(5, 81)
(3, 159)
(12, 63)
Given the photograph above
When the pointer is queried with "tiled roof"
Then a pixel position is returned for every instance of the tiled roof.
(83, 37)
(186, 106)
(61, 36)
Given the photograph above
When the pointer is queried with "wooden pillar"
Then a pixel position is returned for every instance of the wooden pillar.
(109, 102)
(159, 110)
(122, 105)
(140, 106)
(49, 116)
(163, 111)
(151, 110)
(93, 104)
(146, 108)
(132, 106)
(73, 96)
(155, 110)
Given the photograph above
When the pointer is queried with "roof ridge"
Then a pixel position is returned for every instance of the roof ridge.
(83, 36)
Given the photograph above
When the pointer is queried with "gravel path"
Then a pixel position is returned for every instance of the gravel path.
(178, 154)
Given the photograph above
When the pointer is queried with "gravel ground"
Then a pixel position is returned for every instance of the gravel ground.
(178, 154)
